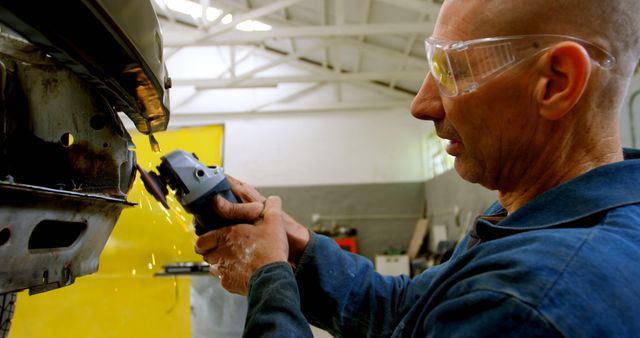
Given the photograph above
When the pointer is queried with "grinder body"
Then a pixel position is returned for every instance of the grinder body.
(195, 185)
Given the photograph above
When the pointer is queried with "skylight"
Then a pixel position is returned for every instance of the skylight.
(253, 26)
(227, 19)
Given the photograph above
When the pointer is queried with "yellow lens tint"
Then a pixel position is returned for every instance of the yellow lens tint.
(441, 71)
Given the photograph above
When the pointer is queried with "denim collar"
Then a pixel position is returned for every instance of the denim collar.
(603, 188)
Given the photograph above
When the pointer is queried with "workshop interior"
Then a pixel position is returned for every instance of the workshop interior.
(121, 118)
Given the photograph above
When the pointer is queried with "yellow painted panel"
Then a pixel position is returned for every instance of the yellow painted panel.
(124, 299)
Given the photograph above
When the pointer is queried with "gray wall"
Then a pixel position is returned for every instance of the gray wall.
(384, 214)
(454, 202)
(630, 116)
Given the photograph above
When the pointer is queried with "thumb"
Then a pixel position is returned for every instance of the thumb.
(272, 212)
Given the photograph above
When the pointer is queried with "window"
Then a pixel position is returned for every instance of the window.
(435, 158)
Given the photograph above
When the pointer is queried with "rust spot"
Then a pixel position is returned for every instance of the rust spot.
(50, 84)
(93, 166)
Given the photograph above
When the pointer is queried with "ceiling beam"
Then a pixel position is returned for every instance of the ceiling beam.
(424, 7)
(234, 63)
(337, 55)
(202, 21)
(371, 51)
(407, 49)
(366, 48)
(286, 98)
(275, 80)
(277, 62)
(339, 12)
(377, 51)
(381, 89)
(251, 15)
(367, 19)
(239, 37)
(297, 108)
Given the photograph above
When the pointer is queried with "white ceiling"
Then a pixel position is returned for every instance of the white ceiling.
(372, 45)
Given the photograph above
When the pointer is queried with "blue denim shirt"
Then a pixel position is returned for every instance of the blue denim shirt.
(565, 264)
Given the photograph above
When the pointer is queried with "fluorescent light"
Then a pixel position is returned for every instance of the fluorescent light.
(253, 26)
(185, 7)
(212, 13)
(194, 9)
(191, 8)
(227, 19)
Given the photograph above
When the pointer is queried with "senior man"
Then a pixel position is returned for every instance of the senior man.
(528, 94)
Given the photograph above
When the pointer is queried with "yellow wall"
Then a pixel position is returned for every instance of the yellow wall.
(124, 299)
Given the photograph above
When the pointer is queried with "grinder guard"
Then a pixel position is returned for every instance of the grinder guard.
(194, 183)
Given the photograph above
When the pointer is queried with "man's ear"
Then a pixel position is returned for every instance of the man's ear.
(565, 71)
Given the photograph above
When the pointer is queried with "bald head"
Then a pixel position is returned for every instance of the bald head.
(612, 24)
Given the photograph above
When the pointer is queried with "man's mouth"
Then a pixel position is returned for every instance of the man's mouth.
(454, 148)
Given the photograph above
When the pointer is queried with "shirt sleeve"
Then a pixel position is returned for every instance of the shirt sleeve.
(344, 295)
(274, 304)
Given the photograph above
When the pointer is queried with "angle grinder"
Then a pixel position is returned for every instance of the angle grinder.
(194, 183)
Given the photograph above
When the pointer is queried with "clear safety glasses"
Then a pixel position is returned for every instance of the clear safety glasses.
(460, 67)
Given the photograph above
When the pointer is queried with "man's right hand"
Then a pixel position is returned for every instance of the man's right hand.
(250, 210)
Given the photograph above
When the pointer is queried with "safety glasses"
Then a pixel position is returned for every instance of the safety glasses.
(460, 67)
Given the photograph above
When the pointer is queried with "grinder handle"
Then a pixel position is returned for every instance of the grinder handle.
(205, 218)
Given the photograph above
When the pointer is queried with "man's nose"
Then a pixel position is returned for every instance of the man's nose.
(427, 105)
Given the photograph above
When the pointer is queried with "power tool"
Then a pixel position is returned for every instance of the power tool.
(194, 185)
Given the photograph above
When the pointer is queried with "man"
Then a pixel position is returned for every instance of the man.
(527, 93)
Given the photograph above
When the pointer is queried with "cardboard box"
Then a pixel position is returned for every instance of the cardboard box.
(392, 265)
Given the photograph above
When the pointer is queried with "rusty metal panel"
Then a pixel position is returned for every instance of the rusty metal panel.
(51, 266)
(66, 166)
(53, 118)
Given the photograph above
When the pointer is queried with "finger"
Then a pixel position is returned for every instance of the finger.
(214, 270)
(237, 211)
(223, 253)
(210, 240)
(272, 211)
(244, 191)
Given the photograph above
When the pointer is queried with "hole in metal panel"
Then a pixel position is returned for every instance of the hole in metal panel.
(66, 139)
(5, 234)
(98, 122)
(51, 234)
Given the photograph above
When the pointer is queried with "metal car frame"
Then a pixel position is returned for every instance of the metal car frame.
(66, 161)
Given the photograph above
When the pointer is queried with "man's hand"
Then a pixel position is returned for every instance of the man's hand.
(236, 252)
(250, 210)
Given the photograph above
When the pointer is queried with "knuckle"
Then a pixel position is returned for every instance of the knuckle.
(223, 208)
